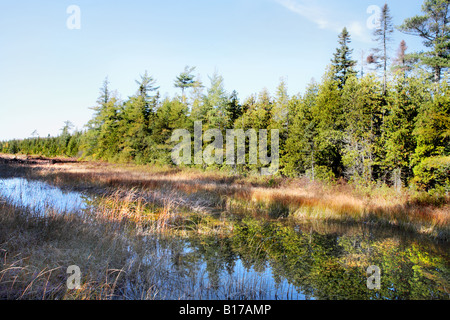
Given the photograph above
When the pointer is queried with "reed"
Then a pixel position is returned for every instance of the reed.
(213, 192)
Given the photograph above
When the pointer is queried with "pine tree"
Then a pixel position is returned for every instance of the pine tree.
(65, 136)
(398, 142)
(262, 116)
(434, 27)
(234, 109)
(215, 103)
(329, 121)
(361, 100)
(431, 159)
(146, 85)
(137, 119)
(402, 62)
(90, 140)
(342, 61)
(105, 93)
(185, 80)
(383, 36)
(299, 151)
(280, 111)
(171, 115)
(108, 140)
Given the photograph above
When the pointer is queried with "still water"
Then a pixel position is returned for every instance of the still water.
(40, 197)
(273, 260)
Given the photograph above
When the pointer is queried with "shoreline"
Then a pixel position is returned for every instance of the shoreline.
(216, 191)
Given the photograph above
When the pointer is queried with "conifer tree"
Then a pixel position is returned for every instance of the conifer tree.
(361, 100)
(342, 60)
(329, 123)
(402, 62)
(215, 104)
(136, 121)
(171, 115)
(90, 140)
(233, 108)
(383, 36)
(434, 28)
(397, 141)
(146, 86)
(185, 80)
(280, 111)
(431, 159)
(299, 152)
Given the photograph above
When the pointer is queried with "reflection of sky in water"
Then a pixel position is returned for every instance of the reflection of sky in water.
(266, 280)
(231, 283)
(40, 196)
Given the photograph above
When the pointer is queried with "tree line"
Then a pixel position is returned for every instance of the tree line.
(388, 122)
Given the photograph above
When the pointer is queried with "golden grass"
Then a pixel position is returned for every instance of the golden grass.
(334, 205)
(119, 246)
(35, 253)
(216, 191)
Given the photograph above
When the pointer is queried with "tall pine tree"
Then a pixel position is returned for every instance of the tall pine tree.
(383, 36)
(342, 61)
(434, 28)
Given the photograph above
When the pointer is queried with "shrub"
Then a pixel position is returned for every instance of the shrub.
(432, 173)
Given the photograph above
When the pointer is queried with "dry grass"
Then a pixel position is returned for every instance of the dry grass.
(117, 243)
(211, 192)
(36, 251)
(125, 251)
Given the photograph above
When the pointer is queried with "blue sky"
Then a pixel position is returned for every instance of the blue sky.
(50, 73)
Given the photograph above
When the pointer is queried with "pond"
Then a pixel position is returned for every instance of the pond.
(271, 260)
(40, 197)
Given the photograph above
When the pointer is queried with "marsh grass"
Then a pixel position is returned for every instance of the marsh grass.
(334, 205)
(36, 251)
(214, 192)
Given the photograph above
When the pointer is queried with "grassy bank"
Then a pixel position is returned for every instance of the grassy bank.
(272, 197)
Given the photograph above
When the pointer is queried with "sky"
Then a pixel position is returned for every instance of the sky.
(51, 72)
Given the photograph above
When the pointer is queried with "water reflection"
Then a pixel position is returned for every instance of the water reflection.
(268, 260)
(278, 262)
(40, 197)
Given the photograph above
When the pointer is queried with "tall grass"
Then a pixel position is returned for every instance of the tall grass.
(215, 192)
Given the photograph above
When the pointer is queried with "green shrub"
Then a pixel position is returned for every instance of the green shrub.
(321, 173)
(433, 173)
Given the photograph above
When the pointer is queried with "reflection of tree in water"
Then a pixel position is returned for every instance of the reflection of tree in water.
(328, 266)
(320, 265)
(218, 255)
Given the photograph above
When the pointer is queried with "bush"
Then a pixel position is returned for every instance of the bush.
(321, 173)
(433, 173)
